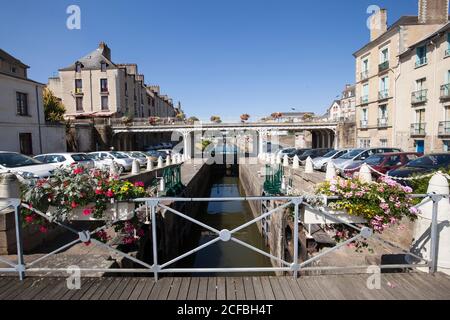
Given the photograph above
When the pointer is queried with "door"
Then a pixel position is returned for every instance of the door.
(420, 146)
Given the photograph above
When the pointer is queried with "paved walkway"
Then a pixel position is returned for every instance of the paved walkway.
(349, 287)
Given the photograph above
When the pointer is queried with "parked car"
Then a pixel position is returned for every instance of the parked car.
(422, 165)
(313, 153)
(25, 167)
(284, 151)
(357, 156)
(298, 152)
(154, 155)
(139, 156)
(66, 159)
(321, 163)
(167, 152)
(99, 163)
(383, 162)
(122, 160)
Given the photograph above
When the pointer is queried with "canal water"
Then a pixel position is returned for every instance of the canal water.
(227, 215)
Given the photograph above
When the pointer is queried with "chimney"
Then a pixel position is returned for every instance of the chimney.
(378, 24)
(106, 51)
(433, 11)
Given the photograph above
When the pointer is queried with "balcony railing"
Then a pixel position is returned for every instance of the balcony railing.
(364, 74)
(382, 122)
(421, 62)
(444, 128)
(383, 66)
(364, 123)
(364, 99)
(383, 94)
(418, 129)
(445, 92)
(419, 96)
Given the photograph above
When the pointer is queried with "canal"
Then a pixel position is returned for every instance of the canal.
(226, 215)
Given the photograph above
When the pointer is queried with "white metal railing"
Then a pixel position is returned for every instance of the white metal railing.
(154, 204)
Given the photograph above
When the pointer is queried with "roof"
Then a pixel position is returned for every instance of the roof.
(21, 78)
(92, 61)
(428, 37)
(5, 55)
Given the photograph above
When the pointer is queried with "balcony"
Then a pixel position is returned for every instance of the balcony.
(364, 124)
(364, 75)
(418, 129)
(383, 66)
(419, 96)
(421, 62)
(78, 91)
(382, 122)
(383, 94)
(365, 99)
(444, 129)
(445, 92)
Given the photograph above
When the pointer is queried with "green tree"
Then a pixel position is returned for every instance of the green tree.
(53, 108)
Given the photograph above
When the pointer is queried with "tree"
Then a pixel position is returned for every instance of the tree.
(276, 115)
(192, 120)
(180, 116)
(216, 119)
(244, 117)
(54, 110)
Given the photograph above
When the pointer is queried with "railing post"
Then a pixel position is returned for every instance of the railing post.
(20, 262)
(434, 234)
(297, 203)
(153, 205)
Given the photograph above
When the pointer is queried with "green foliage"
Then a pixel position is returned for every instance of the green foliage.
(53, 108)
(420, 186)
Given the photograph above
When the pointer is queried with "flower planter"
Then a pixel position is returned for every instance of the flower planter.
(314, 216)
(119, 211)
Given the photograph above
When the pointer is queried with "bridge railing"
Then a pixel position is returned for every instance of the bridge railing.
(151, 207)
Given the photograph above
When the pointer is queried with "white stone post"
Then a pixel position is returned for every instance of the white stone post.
(296, 163)
(365, 175)
(168, 161)
(135, 167)
(9, 187)
(113, 170)
(278, 159)
(285, 161)
(160, 163)
(423, 228)
(149, 164)
(309, 165)
(273, 159)
(331, 171)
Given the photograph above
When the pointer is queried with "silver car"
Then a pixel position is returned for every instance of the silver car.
(139, 156)
(321, 163)
(356, 156)
(24, 166)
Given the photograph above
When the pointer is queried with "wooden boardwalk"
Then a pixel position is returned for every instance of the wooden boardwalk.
(349, 287)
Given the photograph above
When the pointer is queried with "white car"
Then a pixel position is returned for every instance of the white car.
(108, 157)
(139, 156)
(65, 159)
(321, 163)
(24, 166)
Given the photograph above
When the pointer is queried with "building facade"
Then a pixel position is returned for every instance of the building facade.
(378, 70)
(424, 96)
(22, 121)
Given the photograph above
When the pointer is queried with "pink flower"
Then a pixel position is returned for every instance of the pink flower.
(414, 210)
(87, 211)
(74, 205)
(29, 219)
(139, 184)
(43, 229)
(78, 170)
(109, 193)
(98, 191)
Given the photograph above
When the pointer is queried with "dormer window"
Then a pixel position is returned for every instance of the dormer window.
(103, 66)
(13, 69)
(78, 67)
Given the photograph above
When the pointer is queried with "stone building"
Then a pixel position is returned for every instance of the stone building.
(23, 127)
(378, 69)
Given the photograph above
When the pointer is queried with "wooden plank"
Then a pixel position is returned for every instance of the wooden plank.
(85, 286)
(109, 290)
(156, 290)
(259, 291)
(415, 292)
(276, 287)
(38, 286)
(202, 289)
(123, 282)
(309, 289)
(126, 293)
(104, 284)
(249, 290)
(55, 290)
(16, 288)
(93, 289)
(329, 285)
(267, 288)
(147, 290)
(286, 288)
(212, 289)
(396, 290)
(430, 287)
(298, 295)
(354, 287)
(184, 288)
(231, 290)
(165, 289)
(221, 289)
(5, 282)
(175, 288)
(48, 289)
(193, 289)
(141, 283)
(240, 291)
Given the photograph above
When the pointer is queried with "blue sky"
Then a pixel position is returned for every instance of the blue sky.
(222, 57)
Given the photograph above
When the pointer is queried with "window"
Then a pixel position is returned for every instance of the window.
(420, 116)
(384, 55)
(79, 104)
(103, 66)
(447, 113)
(26, 146)
(13, 69)
(78, 67)
(383, 142)
(78, 86)
(22, 104)
(446, 146)
(384, 88)
(365, 65)
(364, 143)
(382, 111)
(447, 51)
(421, 84)
(105, 103)
(421, 56)
(103, 85)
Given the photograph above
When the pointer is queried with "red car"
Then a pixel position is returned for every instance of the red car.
(383, 162)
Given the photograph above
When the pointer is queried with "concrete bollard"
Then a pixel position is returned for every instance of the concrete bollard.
(309, 168)
(278, 159)
(9, 188)
(365, 175)
(331, 171)
(168, 161)
(267, 157)
(160, 162)
(135, 167)
(285, 161)
(149, 164)
(113, 170)
(296, 163)
(273, 159)
(421, 244)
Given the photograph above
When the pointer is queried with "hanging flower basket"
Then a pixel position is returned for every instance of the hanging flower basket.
(118, 211)
(314, 216)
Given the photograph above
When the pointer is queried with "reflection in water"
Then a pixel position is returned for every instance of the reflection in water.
(228, 215)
